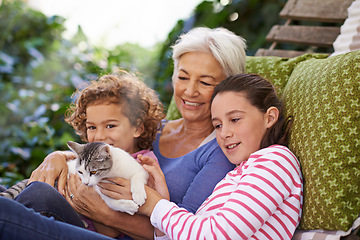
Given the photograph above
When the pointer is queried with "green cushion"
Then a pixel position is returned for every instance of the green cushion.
(276, 69)
(323, 96)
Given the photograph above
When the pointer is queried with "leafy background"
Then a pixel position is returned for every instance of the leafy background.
(39, 71)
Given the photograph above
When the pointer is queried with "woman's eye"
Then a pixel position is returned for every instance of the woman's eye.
(206, 84)
(182, 78)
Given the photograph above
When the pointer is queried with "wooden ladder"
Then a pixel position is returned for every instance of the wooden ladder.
(305, 26)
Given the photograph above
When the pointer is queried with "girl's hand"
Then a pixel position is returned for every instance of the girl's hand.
(53, 167)
(116, 188)
(156, 179)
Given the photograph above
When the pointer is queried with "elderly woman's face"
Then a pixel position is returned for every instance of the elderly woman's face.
(194, 80)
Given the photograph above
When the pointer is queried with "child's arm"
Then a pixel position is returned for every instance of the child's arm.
(157, 179)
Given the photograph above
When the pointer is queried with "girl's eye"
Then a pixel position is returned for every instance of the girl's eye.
(91, 127)
(235, 119)
(92, 173)
(110, 126)
(217, 126)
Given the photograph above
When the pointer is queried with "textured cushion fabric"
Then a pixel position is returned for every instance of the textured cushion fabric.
(351, 234)
(323, 96)
(276, 69)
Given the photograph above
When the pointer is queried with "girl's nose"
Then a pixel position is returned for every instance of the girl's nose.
(100, 135)
(226, 131)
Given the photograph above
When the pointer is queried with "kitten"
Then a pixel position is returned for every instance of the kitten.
(96, 161)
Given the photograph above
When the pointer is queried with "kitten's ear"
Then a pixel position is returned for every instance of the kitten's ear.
(106, 148)
(76, 147)
(105, 151)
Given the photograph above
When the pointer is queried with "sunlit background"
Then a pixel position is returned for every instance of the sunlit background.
(114, 22)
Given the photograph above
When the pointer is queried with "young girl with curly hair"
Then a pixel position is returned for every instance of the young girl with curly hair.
(118, 109)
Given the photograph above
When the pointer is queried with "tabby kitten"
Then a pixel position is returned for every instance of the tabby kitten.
(96, 161)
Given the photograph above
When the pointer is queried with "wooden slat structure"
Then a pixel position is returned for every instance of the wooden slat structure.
(314, 34)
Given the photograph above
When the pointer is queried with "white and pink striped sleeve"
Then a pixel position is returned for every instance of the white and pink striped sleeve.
(261, 199)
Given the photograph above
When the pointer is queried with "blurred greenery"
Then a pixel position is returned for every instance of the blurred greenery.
(40, 69)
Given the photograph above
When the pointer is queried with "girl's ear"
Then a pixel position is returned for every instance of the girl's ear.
(139, 130)
(272, 115)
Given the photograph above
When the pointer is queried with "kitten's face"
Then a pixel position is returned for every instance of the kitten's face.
(94, 162)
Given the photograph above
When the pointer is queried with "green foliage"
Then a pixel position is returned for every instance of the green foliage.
(32, 88)
(39, 71)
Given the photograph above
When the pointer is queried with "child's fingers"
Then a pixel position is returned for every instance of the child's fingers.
(147, 160)
(154, 171)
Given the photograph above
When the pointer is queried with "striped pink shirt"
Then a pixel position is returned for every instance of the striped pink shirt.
(260, 199)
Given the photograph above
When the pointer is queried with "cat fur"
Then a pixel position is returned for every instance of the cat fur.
(15, 190)
(114, 162)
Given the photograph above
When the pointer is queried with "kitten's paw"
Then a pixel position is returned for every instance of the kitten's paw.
(139, 197)
(123, 205)
(131, 207)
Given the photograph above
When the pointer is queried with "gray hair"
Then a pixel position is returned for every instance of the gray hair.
(227, 48)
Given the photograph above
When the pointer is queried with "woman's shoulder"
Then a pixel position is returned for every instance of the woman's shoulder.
(169, 126)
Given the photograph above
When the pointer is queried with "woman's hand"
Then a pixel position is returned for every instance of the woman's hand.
(85, 200)
(53, 167)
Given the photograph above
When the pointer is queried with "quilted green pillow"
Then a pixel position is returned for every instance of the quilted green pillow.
(276, 69)
(323, 95)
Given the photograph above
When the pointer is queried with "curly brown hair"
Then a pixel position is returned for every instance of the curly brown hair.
(140, 104)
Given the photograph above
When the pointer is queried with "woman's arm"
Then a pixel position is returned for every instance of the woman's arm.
(214, 167)
(54, 167)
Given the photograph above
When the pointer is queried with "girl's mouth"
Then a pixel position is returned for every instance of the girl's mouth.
(231, 146)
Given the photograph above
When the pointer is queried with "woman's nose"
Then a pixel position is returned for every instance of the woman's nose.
(191, 88)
